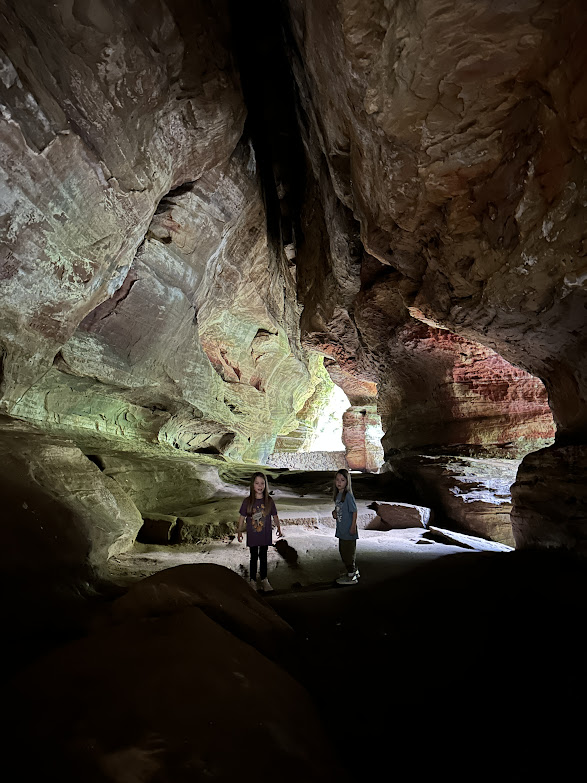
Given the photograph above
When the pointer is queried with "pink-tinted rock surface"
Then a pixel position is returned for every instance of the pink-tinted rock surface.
(443, 391)
(361, 435)
(448, 141)
(455, 136)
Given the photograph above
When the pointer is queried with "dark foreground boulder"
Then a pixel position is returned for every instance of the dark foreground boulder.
(219, 592)
(167, 698)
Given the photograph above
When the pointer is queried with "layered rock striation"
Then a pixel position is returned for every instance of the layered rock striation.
(449, 143)
(143, 306)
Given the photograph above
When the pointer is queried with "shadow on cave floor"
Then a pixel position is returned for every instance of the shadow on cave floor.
(440, 660)
(305, 560)
(468, 665)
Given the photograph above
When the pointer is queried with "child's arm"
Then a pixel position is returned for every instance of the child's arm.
(352, 507)
(275, 520)
(278, 526)
(240, 527)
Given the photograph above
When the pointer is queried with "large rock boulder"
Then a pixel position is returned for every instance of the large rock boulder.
(472, 494)
(549, 499)
(63, 519)
(170, 691)
(399, 516)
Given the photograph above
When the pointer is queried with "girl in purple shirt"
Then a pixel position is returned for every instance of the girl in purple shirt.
(257, 512)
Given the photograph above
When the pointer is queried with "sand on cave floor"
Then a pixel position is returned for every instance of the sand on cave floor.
(314, 565)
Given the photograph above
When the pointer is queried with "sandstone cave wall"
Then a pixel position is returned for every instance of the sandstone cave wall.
(431, 224)
(142, 304)
(455, 138)
(144, 311)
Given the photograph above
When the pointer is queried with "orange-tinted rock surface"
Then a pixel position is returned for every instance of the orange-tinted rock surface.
(361, 436)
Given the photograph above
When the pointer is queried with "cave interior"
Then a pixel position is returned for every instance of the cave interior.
(232, 235)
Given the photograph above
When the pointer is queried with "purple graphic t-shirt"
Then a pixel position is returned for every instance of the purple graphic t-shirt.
(259, 531)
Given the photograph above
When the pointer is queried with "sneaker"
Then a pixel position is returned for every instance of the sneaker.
(265, 586)
(348, 579)
(253, 583)
(350, 573)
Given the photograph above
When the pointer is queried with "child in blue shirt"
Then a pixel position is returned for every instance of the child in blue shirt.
(345, 513)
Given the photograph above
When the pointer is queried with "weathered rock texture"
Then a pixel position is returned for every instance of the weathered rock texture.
(361, 434)
(448, 142)
(472, 494)
(62, 518)
(181, 222)
(103, 519)
(550, 486)
(177, 679)
(455, 135)
(399, 516)
(443, 392)
(309, 460)
(102, 117)
(142, 305)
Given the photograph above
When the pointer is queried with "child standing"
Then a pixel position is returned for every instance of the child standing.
(345, 513)
(258, 510)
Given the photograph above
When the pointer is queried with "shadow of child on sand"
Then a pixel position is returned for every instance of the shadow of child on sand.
(287, 552)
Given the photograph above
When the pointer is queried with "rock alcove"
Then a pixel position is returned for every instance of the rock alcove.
(211, 213)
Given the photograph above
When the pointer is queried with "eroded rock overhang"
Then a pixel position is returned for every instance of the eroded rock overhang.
(179, 184)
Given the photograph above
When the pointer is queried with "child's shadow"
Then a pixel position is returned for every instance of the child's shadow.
(287, 552)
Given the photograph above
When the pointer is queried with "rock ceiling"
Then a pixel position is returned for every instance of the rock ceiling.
(202, 199)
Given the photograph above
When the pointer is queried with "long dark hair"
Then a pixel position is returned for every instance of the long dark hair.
(342, 472)
(252, 498)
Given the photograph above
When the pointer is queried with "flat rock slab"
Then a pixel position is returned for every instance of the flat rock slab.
(470, 542)
(399, 516)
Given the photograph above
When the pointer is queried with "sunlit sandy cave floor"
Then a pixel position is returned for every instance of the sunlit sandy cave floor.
(380, 556)
(309, 530)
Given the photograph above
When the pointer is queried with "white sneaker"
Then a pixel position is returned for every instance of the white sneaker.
(348, 579)
(253, 583)
(265, 586)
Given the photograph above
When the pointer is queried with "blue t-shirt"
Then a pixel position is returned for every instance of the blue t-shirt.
(344, 516)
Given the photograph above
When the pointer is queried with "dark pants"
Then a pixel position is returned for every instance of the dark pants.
(347, 551)
(259, 552)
